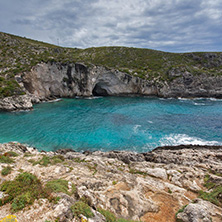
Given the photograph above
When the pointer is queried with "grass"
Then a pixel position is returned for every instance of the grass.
(60, 185)
(47, 160)
(6, 170)
(11, 153)
(6, 159)
(23, 191)
(78, 160)
(110, 217)
(114, 182)
(81, 207)
(180, 211)
(134, 171)
(92, 168)
(214, 193)
(214, 196)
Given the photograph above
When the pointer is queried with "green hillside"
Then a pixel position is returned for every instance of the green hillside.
(18, 55)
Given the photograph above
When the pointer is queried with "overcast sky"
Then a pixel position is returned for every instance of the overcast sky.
(168, 25)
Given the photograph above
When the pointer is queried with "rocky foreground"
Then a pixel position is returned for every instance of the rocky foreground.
(169, 184)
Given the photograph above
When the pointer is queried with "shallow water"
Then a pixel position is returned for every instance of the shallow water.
(107, 123)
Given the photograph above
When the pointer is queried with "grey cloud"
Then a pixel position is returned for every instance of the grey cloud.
(173, 25)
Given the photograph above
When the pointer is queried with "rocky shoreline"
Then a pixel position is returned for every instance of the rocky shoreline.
(53, 80)
(180, 183)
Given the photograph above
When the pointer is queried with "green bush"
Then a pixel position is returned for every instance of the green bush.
(60, 185)
(11, 153)
(47, 160)
(215, 196)
(81, 208)
(22, 191)
(6, 159)
(6, 170)
(110, 217)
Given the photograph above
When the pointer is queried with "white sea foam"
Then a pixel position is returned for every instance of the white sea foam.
(94, 97)
(135, 128)
(199, 104)
(178, 139)
(214, 99)
(54, 100)
(183, 99)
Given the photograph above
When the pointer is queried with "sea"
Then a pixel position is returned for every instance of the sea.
(137, 124)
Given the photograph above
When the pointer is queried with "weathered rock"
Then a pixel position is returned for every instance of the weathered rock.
(14, 103)
(55, 79)
(141, 190)
(157, 172)
(62, 209)
(124, 156)
(195, 212)
(68, 80)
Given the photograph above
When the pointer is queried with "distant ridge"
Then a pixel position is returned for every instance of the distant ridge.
(20, 54)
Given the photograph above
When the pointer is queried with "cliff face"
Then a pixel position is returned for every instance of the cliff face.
(68, 80)
(54, 80)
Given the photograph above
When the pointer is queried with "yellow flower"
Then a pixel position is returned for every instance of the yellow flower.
(9, 218)
(83, 220)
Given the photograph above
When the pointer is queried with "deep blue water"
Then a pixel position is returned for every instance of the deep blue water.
(107, 123)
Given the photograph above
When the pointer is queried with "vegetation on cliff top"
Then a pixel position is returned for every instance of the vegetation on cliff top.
(22, 191)
(19, 55)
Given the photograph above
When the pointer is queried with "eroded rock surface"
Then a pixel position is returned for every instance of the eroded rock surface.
(14, 103)
(53, 80)
(148, 187)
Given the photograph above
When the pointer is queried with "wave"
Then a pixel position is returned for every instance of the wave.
(179, 139)
(214, 99)
(199, 104)
(94, 97)
(135, 128)
(88, 97)
(53, 101)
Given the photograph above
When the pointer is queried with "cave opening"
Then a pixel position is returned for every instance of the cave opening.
(99, 90)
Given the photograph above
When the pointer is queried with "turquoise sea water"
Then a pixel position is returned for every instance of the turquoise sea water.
(107, 123)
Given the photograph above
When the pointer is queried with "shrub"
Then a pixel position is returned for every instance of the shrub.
(6, 159)
(22, 191)
(215, 194)
(11, 153)
(81, 208)
(110, 217)
(46, 160)
(134, 171)
(60, 185)
(6, 170)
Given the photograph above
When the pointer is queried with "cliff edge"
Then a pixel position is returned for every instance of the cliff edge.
(42, 71)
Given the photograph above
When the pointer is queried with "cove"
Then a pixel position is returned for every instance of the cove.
(115, 123)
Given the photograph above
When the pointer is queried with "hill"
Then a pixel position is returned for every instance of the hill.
(18, 55)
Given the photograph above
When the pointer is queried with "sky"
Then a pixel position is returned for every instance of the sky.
(167, 25)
